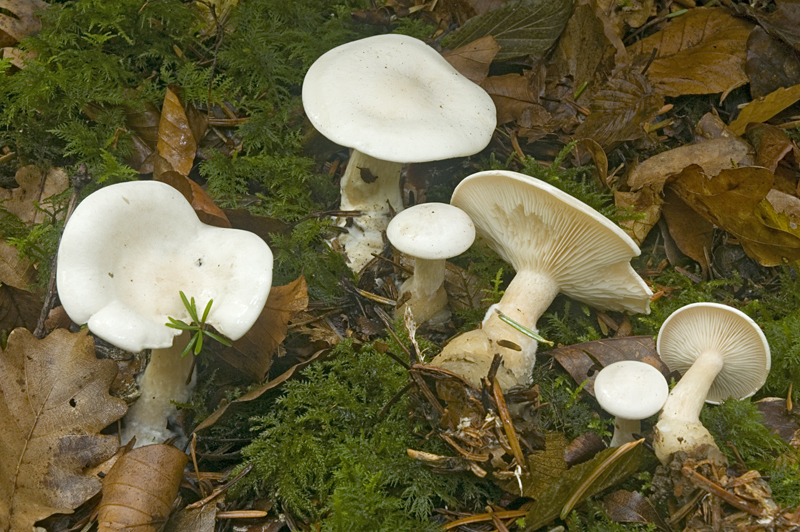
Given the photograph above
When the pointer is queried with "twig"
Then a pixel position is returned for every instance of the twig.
(707, 485)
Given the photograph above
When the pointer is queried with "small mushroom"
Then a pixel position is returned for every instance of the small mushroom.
(126, 253)
(555, 243)
(394, 100)
(630, 391)
(722, 354)
(431, 233)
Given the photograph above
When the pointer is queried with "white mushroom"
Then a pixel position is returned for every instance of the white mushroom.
(126, 253)
(722, 354)
(431, 233)
(394, 100)
(556, 244)
(630, 391)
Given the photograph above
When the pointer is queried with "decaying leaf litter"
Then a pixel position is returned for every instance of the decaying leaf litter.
(325, 415)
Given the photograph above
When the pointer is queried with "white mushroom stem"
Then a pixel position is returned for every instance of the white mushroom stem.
(679, 427)
(372, 187)
(426, 287)
(624, 429)
(166, 378)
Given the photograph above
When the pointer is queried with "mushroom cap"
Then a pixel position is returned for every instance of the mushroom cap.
(431, 231)
(696, 328)
(630, 389)
(395, 98)
(129, 248)
(535, 226)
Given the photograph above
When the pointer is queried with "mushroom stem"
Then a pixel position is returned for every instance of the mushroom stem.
(372, 187)
(428, 296)
(624, 429)
(428, 277)
(164, 380)
(679, 427)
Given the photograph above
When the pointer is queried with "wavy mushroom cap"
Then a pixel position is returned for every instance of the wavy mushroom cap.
(631, 389)
(395, 98)
(694, 329)
(127, 251)
(535, 226)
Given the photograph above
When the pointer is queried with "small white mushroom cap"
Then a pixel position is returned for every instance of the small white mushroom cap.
(535, 226)
(129, 248)
(395, 98)
(694, 329)
(631, 389)
(433, 231)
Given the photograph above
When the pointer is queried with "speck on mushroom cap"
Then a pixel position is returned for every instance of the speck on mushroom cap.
(630, 389)
(431, 231)
(128, 249)
(696, 328)
(395, 98)
(535, 226)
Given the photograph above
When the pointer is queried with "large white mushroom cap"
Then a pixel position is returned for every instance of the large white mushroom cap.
(535, 226)
(128, 249)
(396, 99)
(694, 329)
(631, 389)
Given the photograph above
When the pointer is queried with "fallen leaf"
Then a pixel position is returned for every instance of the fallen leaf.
(176, 141)
(777, 417)
(34, 187)
(608, 468)
(783, 22)
(252, 354)
(53, 402)
(512, 95)
(625, 506)
(18, 308)
(772, 144)
(693, 234)
(764, 108)
(14, 270)
(473, 59)
(23, 22)
(583, 448)
(733, 201)
(521, 27)
(646, 202)
(203, 519)
(583, 361)
(771, 64)
(701, 52)
(633, 13)
(263, 226)
(139, 490)
(620, 110)
(206, 210)
(544, 467)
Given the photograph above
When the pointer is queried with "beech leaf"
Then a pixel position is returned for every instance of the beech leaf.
(473, 59)
(764, 108)
(521, 27)
(53, 403)
(176, 141)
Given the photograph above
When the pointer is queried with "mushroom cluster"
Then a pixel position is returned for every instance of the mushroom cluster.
(556, 244)
(127, 252)
(722, 354)
(393, 100)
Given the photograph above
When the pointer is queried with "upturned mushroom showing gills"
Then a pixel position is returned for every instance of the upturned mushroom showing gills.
(127, 252)
(722, 354)
(393, 100)
(555, 243)
(431, 233)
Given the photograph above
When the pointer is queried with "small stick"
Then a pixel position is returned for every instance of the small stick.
(242, 514)
(508, 425)
(705, 484)
(220, 490)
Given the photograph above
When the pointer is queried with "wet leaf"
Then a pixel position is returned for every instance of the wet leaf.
(252, 354)
(473, 59)
(608, 468)
(692, 233)
(733, 202)
(764, 108)
(583, 361)
(23, 23)
(18, 308)
(701, 52)
(139, 490)
(34, 187)
(620, 110)
(53, 402)
(521, 27)
(771, 64)
(176, 141)
(625, 506)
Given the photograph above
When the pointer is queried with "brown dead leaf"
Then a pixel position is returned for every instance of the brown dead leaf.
(777, 417)
(620, 110)
(646, 202)
(263, 226)
(18, 308)
(203, 519)
(583, 448)
(771, 64)
(473, 59)
(139, 490)
(15, 271)
(701, 52)
(544, 467)
(633, 13)
(733, 201)
(206, 210)
(764, 108)
(53, 402)
(34, 186)
(176, 141)
(252, 354)
(692, 233)
(783, 22)
(512, 95)
(23, 22)
(583, 361)
(625, 506)
(772, 144)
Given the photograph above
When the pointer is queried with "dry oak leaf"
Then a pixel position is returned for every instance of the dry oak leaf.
(34, 187)
(18, 308)
(139, 490)
(701, 52)
(734, 200)
(53, 402)
(766, 107)
(14, 270)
